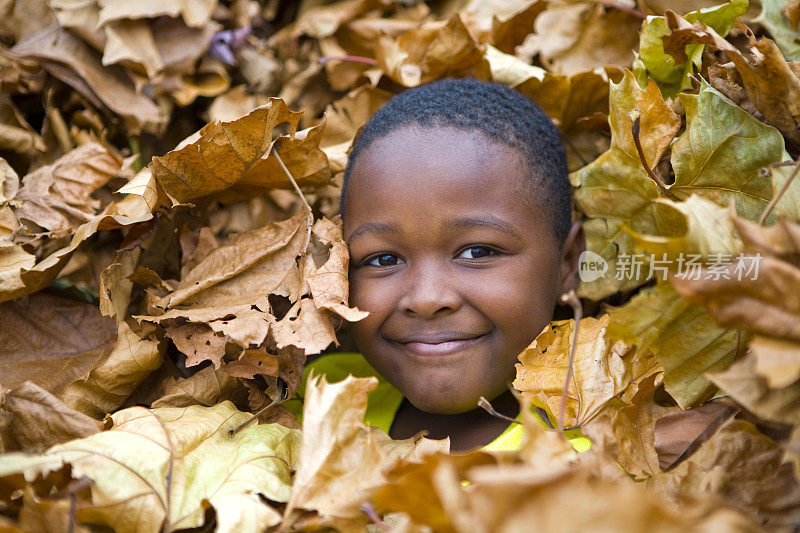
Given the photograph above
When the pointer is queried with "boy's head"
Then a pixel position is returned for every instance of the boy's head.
(456, 207)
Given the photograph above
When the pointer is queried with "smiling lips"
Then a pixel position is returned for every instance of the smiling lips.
(439, 344)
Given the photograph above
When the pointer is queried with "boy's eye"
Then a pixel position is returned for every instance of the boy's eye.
(477, 252)
(384, 260)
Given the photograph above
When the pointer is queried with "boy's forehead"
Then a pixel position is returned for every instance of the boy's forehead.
(421, 179)
(412, 158)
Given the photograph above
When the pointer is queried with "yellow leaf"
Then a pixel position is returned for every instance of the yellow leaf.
(155, 468)
(602, 369)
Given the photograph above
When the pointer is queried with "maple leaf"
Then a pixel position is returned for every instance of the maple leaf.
(602, 369)
(615, 187)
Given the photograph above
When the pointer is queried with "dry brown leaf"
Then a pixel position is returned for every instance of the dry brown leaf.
(160, 469)
(678, 434)
(131, 360)
(39, 420)
(51, 341)
(568, 99)
(207, 387)
(627, 431)
(752, 391)
(341, 461)
(195, 13)
(20, 19)
(131, 43)
(574, 37)
(510, 31)
(74, 62)
(236, 158)
(765, 302)
(323, 20)
(508, 499)
(744, 469)
(226, 296)
(227, 292)
(602, 369)
(45, 514)
(233, 104)
(684, 338)
(431, 52)
(430, 491)
(346, 115)
(253, 362)
(16, 134)
(58, 197)
(792, 12)
(20, 274)
(776, 360)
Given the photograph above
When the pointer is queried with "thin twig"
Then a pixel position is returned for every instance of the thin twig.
(73, 500)
(310, 215)
(353, 59)
(577, 310)
(369, 510)
(638, 143)
(484, 404)
(780, 194)
(278, 399)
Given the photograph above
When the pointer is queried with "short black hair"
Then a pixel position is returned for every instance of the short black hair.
(497, 111)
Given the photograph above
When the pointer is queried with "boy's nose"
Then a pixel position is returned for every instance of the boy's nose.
(429, 293)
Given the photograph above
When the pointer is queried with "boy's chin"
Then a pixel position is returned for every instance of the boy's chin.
(442, 406)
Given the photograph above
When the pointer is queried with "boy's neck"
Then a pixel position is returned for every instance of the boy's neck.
(469, 430)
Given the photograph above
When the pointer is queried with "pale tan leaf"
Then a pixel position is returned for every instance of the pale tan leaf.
(155, 469)
(207, 387)
(131, 360)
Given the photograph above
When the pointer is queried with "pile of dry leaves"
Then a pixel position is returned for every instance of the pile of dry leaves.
(169, 182)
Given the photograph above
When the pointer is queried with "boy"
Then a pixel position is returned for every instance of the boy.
(456, 209)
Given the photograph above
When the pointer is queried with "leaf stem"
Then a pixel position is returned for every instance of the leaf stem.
(635, 131)
(310, 215)
(372, 514)
(484, 404)
(577, 310)
(278, 399)
(780, 194)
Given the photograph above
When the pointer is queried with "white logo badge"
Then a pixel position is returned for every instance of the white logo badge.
(591, 266)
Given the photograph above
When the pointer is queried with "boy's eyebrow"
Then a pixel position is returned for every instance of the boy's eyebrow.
(375, 228)
(489, 221)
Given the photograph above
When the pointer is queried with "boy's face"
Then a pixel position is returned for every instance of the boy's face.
(456, 269)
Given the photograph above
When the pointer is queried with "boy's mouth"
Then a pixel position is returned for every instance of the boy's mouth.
(437, 344)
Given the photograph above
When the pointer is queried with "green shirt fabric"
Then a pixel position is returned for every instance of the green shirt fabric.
(384, 401)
